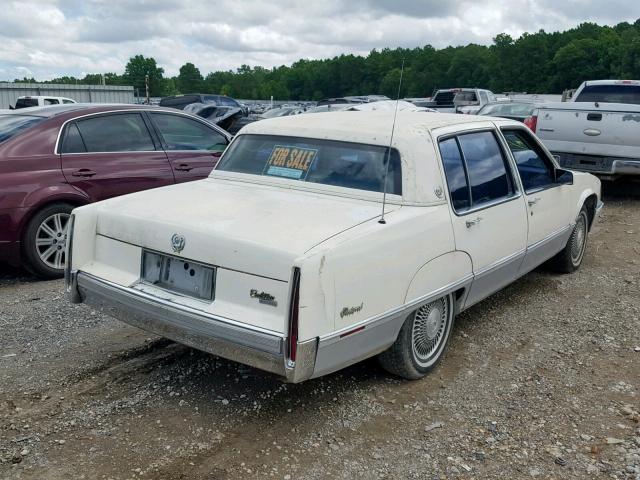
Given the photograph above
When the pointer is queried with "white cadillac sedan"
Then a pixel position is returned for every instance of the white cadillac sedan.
(282, 259)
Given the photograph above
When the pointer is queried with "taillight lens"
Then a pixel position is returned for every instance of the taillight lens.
(531, 122)
(292, 342)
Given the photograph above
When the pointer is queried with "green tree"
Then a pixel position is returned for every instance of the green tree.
(189, 79)
(135, 71)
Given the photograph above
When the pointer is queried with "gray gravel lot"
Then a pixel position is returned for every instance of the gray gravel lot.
(542, 380)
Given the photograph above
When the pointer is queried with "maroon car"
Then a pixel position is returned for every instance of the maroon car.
(53, 159)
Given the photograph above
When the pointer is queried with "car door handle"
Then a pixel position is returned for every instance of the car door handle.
(533, 201)
(83, 172)
(471, 223)
(184, 167)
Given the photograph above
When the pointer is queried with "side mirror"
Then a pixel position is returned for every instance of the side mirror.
(563, 177)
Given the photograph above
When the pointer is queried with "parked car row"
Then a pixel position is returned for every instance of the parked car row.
(53, 159)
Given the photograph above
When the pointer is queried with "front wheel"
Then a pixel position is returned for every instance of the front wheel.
(570, 258)
(422, 340)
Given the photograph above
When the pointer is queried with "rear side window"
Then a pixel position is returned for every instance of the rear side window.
(535, 169)
(11, 125)
(181, 133)
(486, 172)
(123, 132)
(72, 142)
(51, 101)
(610, 94)
(456, 174)
(26, 102)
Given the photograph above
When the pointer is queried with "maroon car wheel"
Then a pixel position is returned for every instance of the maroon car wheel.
(45, 240)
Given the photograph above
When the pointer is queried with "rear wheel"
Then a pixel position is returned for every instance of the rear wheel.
(45, 240)
(570, 258)
(422, 340)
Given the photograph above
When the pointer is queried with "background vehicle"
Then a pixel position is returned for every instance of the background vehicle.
(281, 112)
(279, 259)
(460, 100)
(53, 159)
(597, 130)
(181, 101)
(519, 111)
(41, 101)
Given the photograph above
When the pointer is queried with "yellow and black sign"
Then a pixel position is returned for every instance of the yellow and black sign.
(290, 162)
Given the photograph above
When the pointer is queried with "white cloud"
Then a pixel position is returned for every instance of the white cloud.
(70, 37)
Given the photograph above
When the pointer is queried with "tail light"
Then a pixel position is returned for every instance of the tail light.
(292, 339)
(531, 122)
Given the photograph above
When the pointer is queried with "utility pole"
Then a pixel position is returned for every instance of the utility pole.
(146, 86)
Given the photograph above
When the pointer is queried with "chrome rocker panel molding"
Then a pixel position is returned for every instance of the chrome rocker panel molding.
(203, 332)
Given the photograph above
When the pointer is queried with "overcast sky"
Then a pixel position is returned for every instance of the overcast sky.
(50, 38)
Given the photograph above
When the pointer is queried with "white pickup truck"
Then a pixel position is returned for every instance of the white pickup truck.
(460, 100)
(597, 131)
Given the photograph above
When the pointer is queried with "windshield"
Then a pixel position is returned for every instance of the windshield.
(329, 162)
(610, 94)
(11, 125)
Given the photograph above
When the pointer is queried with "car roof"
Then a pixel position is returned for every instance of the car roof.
(373, 127)
(55, 110)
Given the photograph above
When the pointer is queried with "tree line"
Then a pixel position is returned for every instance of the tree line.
(534, 63)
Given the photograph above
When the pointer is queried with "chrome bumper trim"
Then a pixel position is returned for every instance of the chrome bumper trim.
(203, 332)
(626, 167)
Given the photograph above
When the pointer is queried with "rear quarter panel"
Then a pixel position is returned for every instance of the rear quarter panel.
(374, 268)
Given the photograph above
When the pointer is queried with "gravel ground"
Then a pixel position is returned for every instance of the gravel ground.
(541, 380)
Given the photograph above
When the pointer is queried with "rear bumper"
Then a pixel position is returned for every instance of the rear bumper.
(250, 346)
(601, 165)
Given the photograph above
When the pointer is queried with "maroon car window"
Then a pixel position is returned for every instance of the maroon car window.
(122, 132)
(181, 133)
(73, 141)
(11, 125)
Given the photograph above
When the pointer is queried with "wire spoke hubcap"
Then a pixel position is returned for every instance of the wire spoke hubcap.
(578, 239)
(429, 329)
(51, 240)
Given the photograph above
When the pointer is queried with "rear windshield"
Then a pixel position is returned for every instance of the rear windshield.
(610, 94)
(26, 102)
(12, 125)
(328, 162)
(515, 109)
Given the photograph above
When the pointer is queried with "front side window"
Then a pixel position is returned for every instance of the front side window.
(181, 133)
(122, 132)
(327, 162)
(535, 169)
(477, 171)
(51, 101)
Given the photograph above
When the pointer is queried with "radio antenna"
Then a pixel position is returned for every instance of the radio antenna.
(393, 128)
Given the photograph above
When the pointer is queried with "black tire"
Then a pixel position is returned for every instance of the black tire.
(35, 241)
(570, 258)
(404, 358)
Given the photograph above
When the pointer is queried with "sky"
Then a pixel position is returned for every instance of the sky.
(51, 38)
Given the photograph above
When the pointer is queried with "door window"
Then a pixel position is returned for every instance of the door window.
(476, 170)
(123, 132)
(181, 133)
(486, 168)
(73, 141)
(456, 174)
(51, 101)
(535, 169)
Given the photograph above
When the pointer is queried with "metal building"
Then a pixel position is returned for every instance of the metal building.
(9, 92)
